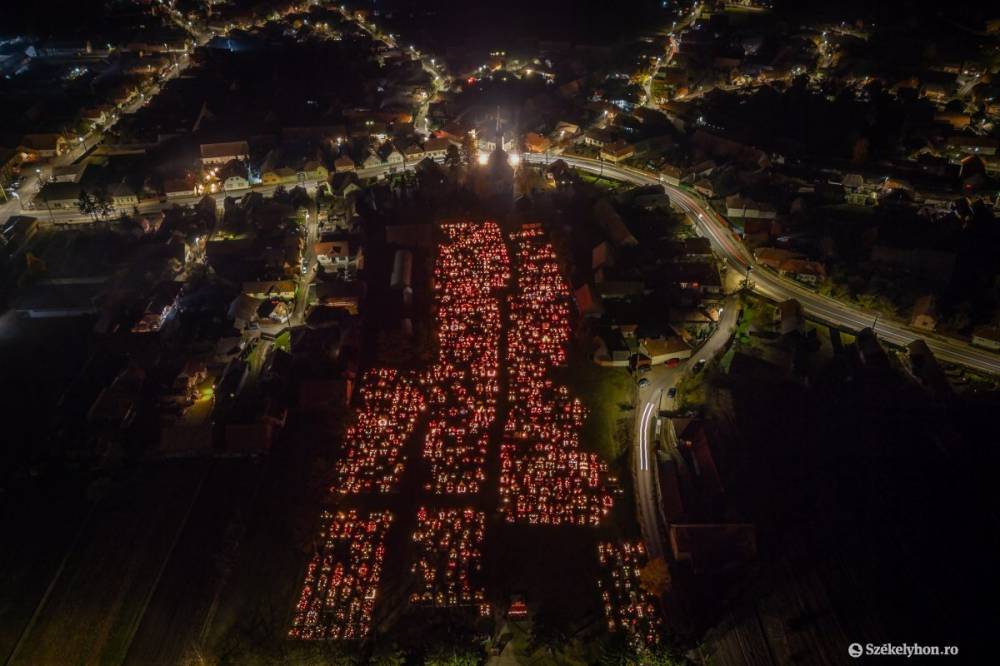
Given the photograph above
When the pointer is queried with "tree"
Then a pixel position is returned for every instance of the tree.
(103, 204)
(87, 205)
(452, 657)
(299, 197)
(655, 576)
(387, 655)
(616, 651)
(470, 154)
(452, 157)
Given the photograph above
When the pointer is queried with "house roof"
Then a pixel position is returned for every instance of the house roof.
(987, 333)
(619, 148)
(436, 144)
(58, 191)
(803, 267)
(670, 344)
(227, 149)
(925, 305)
(790, 308)
(178, 185)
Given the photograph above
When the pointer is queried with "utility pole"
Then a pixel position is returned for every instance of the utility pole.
(875, 323)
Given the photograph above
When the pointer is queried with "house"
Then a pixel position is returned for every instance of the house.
(565, 130)
(160, 306)
(372, 160)
(343, 163)
(613, 225)
(122, 196)
(671, 175)
(924, 313)
(389, 155)
(586, 303)
(853, 182)
(344, 183)
(602, 255)
(340, 254)
(536, 143)
(313, 170)
(693, 447)
(803, 270)
(412, 153)
(213, 154)
(272, 310)
(179, 187)
(697, 248)
(979, 145)
(773, 257)
(235, 182)
(61, 196)
(663, 349)
(43, 145)
(617, 151)
(618, 290)
(279, 176)
(610, 349)
(597, 138)
(987, 337)
(70, 173)
(670, 491)
(705, 188)
(702, 169)
(790, 317)
(270, 289)
(737, 206)
(436, 148)
(341, 294)
(700, 276)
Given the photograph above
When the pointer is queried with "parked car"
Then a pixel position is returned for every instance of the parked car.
(699, 365)
(672, 393)
(643, 383)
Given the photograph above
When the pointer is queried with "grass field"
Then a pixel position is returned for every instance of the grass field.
(608, 394)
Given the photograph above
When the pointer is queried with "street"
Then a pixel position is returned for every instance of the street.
(651, 398)
(827, 310)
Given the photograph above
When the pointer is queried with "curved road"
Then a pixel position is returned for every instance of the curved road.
(766, 283)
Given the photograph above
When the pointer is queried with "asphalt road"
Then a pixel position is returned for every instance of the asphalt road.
(651, 399)
(767, 283)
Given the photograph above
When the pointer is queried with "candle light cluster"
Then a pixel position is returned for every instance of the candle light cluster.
(462, 385)
(449, 554)
(544, 476)
(627, 607)
(373, 443)
(338, 595)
